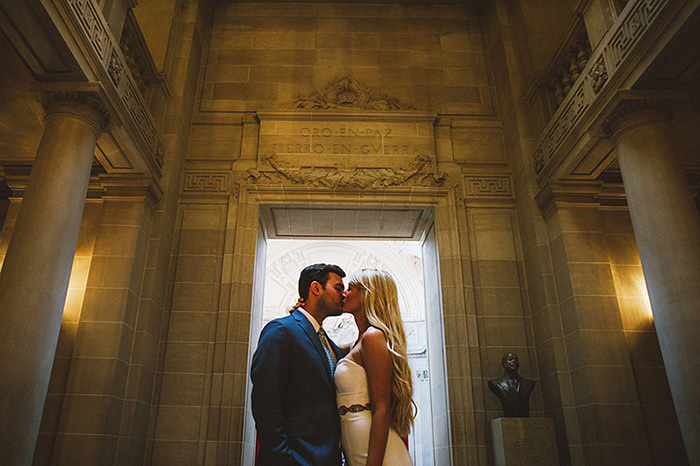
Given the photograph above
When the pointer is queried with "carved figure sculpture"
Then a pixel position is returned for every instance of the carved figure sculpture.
(513, 391)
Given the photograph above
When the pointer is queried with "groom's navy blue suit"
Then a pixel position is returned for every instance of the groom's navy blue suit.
(293, 397)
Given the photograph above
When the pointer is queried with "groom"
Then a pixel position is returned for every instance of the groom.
(293, 397)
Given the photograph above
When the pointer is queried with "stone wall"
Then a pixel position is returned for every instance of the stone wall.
(358, 104)
(582, 284)
(264, 55)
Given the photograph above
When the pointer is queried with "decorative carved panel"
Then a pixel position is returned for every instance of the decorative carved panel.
(93, 28)
(601, 67)
(489, 186)
(347, 93)
(206, 182)
(362, 178)
(635, 23)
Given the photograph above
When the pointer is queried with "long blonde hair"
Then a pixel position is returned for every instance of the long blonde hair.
(380, 304)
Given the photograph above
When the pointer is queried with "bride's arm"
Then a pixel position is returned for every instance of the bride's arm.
(377, 362)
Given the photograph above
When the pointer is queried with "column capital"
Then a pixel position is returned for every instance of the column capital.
(86, 106)
(632, 111)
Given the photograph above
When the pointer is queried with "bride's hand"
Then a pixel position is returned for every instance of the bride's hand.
(300, 303)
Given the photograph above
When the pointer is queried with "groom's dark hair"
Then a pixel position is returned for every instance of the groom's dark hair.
(316, 273)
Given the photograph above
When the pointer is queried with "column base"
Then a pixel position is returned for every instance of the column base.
(524, 441)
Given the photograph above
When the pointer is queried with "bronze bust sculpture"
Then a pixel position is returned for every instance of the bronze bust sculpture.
(513, 391)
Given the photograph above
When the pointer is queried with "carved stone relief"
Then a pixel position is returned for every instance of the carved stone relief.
(207, 183)
(599, 74)
(351, 178)
(92, 26)
(347, 93)
(607, 60)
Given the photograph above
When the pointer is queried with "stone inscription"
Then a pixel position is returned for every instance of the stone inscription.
(338, 141)
(332, 141)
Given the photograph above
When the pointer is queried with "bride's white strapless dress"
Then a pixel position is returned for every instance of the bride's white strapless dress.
(351, 389)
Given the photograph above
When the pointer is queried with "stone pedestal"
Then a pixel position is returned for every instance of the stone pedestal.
(666, 226)
(35, 274)
(524, 441)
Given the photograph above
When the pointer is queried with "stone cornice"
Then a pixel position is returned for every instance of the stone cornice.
(345, 115)
(129, 186)
(101, 185)
(579, 193)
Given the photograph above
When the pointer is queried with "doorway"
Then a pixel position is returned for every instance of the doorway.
(398, 239)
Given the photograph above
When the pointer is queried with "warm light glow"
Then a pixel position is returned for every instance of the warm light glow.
(633, 298)
(76, 289)
(644, 294)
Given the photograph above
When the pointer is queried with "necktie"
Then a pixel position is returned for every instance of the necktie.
(326, 348)
(513, 385)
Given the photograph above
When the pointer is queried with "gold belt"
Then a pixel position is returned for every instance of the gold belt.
(343, 410)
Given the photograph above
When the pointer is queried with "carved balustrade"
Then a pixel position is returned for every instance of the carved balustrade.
(116, 79)
(139, 59)
(606, 64)
(568, 63)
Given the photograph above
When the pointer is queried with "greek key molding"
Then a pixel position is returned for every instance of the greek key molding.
(95, 32)
(347, 93)
(637, 18)
(635, 23)
(498, 186)
(206, 182)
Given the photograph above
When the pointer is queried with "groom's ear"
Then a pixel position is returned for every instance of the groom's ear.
(315, 288)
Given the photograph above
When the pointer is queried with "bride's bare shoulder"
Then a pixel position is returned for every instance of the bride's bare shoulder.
(373, 337)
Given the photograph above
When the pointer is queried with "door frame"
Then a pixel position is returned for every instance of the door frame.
(454, 400)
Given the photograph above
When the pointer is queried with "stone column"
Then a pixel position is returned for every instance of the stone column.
(666, 226)
(35, 274)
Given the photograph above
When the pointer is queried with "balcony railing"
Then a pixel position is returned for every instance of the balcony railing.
(117, 80)
(607, 59)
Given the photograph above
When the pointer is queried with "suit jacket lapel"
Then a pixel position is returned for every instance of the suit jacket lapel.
(313, 337)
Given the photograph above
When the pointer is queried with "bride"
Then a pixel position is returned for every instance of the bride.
(373, 381)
